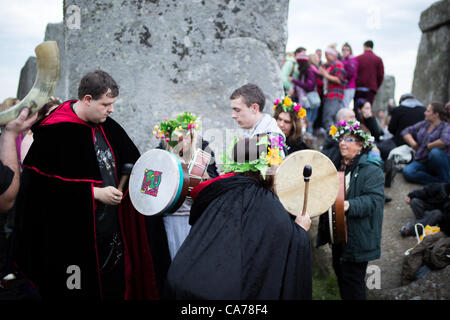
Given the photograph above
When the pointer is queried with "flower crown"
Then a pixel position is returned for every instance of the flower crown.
(351, 128)
(288, 105)
(273, 144)
(183, 122)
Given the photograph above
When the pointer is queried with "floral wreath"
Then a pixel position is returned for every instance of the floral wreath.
(186, 121)
(288, 105)
(351, 128)
(274, 145)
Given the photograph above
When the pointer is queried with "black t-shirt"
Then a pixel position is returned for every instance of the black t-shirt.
(106, 216)
(106, 220)
(6, 177)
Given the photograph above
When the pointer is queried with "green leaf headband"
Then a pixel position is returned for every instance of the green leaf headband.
(288, 105)
(352, 128)
(264, 160)
(183, 122)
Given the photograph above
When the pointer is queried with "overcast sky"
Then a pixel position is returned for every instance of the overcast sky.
(392, 25)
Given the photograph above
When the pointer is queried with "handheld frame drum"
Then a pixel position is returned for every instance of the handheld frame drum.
(323, 187)
(160, 182)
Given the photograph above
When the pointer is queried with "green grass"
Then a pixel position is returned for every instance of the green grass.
(325, 288)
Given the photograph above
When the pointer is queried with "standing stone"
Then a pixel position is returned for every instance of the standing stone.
(173, 56)
(386, 92)
(27, 77)
(432, 72)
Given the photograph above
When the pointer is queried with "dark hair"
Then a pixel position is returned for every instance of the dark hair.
(246, 150)
(251, 94)
(96, 84)
(369, 44)
(296, 130)
(438, 107)
(406, 96)
(46, 107)
(302, 69)
(299, 49)
(360, 103)
(348, 46)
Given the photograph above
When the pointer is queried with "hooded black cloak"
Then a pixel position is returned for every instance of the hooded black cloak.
(242, 245)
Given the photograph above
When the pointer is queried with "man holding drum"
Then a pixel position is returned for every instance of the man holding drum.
(77, 235)
(243, 244)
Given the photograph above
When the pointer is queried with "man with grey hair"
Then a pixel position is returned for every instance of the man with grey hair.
(345, 114)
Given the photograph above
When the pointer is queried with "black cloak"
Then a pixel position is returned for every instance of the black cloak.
(55, 219)
(243, 245)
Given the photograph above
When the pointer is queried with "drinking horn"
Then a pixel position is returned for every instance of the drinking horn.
(47, 54)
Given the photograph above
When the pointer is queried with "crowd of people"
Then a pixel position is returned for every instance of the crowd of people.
(232, 239)
(324, 87)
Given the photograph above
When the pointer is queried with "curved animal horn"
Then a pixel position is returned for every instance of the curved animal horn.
(47, 54)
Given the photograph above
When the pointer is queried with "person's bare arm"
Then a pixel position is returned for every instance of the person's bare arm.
(8, 155)
(436, 144)
(410, 140)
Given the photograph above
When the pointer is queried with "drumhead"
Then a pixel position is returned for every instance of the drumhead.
(156, 182)
(289, 183)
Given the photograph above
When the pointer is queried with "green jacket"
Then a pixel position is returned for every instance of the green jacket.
(289, 70)
(365, 215)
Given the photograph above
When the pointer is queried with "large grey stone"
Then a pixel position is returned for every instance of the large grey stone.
(386, 92)
(171, 56)
(432, 72)
(27, 77)
(436, 15)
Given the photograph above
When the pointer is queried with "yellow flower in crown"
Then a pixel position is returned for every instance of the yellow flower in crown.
(302, 113)
(287, 101)
(273, 157)
(332, 131)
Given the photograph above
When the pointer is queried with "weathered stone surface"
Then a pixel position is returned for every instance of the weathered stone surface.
(172, 56)
(435, 285)
(386, 92)
(435, 16)
(432, 73)
(55, 32)
(27, 77)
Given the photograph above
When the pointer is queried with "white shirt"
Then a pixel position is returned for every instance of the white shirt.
(265, 125)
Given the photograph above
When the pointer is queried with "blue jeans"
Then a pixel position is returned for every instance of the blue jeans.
(435, 169)
(311, 116)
